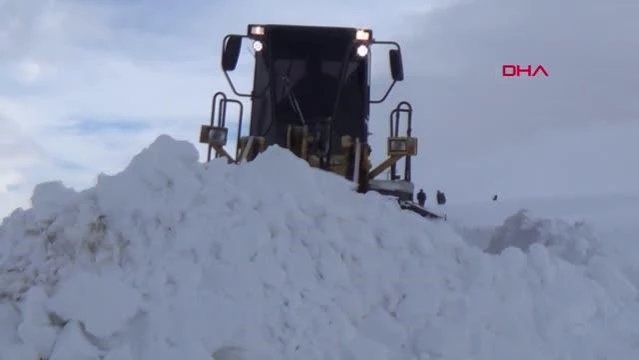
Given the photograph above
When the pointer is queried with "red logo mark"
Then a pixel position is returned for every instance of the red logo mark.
(517, 70)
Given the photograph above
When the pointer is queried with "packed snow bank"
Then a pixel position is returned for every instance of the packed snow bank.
(574, 242)
(273, 260)
(575, 229)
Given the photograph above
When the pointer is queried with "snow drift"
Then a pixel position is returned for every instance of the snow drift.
(574, 242)
(173, 259)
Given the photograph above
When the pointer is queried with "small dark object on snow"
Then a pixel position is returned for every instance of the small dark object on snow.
(441, 198)
(495, 197)
(421, 197)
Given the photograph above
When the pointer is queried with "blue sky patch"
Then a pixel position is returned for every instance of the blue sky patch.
(14, 188)
(96, 125)
(69, 165)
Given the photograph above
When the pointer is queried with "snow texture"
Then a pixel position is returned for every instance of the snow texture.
(173, 259)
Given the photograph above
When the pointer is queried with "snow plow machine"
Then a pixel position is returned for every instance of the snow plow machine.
(311, 95)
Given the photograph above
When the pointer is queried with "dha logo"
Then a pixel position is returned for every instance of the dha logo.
(516, 71)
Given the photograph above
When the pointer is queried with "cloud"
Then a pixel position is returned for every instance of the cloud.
(469, 116)
(586, 46)
(75, 97)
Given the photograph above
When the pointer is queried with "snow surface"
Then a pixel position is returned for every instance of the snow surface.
(173, 259)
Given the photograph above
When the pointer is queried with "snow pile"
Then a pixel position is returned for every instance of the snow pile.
(272, 260)
(574, 242)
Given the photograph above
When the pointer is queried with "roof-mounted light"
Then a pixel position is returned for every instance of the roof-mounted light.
(363, 35)
(362, 50)
(257, 30)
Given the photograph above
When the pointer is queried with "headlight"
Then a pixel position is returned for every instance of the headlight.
(257, 30)
(363, 35)
(362, 50)
(218, 135)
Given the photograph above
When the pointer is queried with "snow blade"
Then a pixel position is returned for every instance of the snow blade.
(411, 206)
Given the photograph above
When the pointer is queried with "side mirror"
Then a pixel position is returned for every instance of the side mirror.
(396, 65)
(231, 52)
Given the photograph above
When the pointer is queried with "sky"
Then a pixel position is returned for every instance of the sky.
(86, 84)
(573, 132)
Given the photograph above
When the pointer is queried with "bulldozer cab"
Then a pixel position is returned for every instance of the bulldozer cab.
(315, 82)
(311, 95)
(309, 77)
